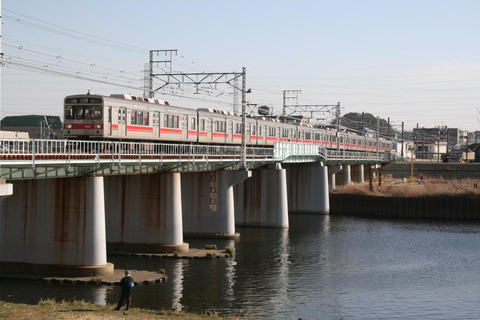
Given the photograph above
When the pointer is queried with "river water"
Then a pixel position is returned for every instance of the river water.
(322, 267)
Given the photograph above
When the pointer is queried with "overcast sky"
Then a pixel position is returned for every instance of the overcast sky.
(416, 62)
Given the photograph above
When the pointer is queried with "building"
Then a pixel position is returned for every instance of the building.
(37, 126)
(431, 150)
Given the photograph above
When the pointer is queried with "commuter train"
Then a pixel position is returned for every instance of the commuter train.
(125, 117)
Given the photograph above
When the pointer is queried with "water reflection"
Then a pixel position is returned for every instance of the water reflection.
(177, 285)
(230, 274)
(99, 296)
(322, 267)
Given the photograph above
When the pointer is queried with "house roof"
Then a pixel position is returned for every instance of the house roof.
(31, 121)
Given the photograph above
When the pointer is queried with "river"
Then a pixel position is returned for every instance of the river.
(322, 267)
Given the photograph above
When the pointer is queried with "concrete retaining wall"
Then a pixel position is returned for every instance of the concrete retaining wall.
(437, 207)
(437, 170)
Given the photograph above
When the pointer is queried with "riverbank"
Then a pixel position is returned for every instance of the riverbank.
(78, 310)
(395, 198)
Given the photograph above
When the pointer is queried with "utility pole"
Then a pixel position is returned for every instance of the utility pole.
(290, 107)
(244, 117)
(198, 78)
(378, 134)
(147, 81)
(289, 95)
(403, 141)
(168, 62)
(235, 96)
(1, 63)
(388, 127)
(423, 142)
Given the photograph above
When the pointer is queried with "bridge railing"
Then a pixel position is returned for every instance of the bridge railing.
(36, 149)
(342, 155)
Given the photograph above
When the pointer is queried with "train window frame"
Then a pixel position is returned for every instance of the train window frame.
(93, 112)
(202, 125)
(220, 126)
(285, 133)
(238, 128)
(77, 114)
(171, 121)
(272, 131)
(193, 123)
(68, 112)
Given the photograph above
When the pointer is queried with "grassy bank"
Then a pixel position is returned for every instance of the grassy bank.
(429, 187)
(79, 310)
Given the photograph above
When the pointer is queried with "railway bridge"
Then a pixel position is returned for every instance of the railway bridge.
(66, 203)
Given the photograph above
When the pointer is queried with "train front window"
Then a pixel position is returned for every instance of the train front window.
(93, 112)
(78, 112)
(68, 112)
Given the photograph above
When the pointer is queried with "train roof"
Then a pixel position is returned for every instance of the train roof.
(140, 99)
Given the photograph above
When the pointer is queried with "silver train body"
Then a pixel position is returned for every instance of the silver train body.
(124, 117)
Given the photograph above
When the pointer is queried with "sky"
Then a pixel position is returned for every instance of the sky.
(413, 62)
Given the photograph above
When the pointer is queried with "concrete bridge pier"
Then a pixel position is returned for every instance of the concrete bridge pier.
(54, 227)
(358, 174)
(345, 175)
(208, 203)
(261, 201)
(6, 189)
(332, 171)
(308, 189)
(144, 213)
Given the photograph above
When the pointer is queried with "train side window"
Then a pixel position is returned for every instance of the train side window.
(220, 126)
(193, 123)
(133, 117)
(272, 132)
(202, 125)
(317, 136)
(146, 118)
(284, 133)
(308, 135)
(238, 128)
(170, 121)
(253, 129)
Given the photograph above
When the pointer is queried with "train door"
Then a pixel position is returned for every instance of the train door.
(184, 127)
(230, 131)
(156, 124)
(109, 121)
(122, 122)
(192, 133)
(209, 129)
(251, 138)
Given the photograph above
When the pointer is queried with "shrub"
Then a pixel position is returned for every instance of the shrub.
(211, 247)
(230, 251)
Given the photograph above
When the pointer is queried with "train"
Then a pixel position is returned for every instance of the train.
(127, 117)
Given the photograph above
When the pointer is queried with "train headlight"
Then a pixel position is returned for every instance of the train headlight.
(98, 126)
(68, 126)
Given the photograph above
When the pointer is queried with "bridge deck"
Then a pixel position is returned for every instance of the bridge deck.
(32, 158)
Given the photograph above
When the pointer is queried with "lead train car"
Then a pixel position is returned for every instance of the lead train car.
(125, 117)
